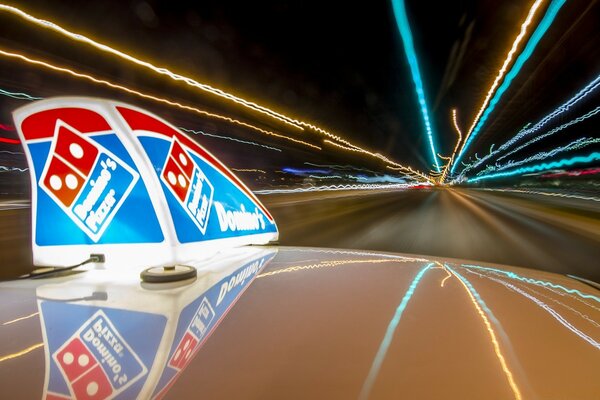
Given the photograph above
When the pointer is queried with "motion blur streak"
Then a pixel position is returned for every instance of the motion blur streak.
(389, 335)
(535, 38)
(409, 49)
(542, 167)
(527, 130)
(21, 353)
(150, 97)
(6, 127)
(18, 96)
(9, 141)
(334, 263)
(564, 195)
(230, 138)
(577, 120)
(20, 319)
(381, 157)
(483, 312)
(507, 62)
(513, 275)
(574, 145)
(457, 128)
(159, 70)
(260, 171)
(13, 169)
(552, 312)
(330, 188)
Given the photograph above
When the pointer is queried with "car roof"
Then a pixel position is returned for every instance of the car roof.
(288, 322)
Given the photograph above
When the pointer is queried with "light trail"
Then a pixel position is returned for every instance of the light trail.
(259, 171)
(9, 141)
(542, 167)
(12, 169)
(230, 138)
(409, 49)
(516, 276)
(150, 97)
(528, 129)
(535, 38)
(575, 145)
(18, 96)
(12, 321)
(330, 264)
(174, 76)
(7, 127)
(483, 312)
(21, 353)
(389, 335)
(567, 196)
(582, 172)
(577, 120)
(330, 188)
(530, 15)
(459, 133)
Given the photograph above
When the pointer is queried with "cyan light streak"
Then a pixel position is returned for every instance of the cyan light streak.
(409, 48)
(595, 156)
(535, 38)
(389, 335)
(553, 131)
(513, 275)
(303, 172)
(229, 138)
(18, 96)
(527, 130)
(575, 145)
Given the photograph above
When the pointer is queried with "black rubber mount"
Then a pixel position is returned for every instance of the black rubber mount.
(168, 274)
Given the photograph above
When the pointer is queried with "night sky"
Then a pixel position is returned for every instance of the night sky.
(340, 65)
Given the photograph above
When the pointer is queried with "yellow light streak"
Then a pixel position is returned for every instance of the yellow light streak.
(449, 164)
(22, 352)
(488, 325)
(333, 263)
(151, 97)
(159, 70)
(381, 157)
(505, 65)
(20, 319)
(180, 78)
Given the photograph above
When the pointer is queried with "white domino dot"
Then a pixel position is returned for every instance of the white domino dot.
(92, 388)
(76, 150)
(172, 178)
(68, 358)
(83, 360)
(183, 159)
(71, 181)
(55, 182)
(182, 181)
(187, 344)
(177, 354)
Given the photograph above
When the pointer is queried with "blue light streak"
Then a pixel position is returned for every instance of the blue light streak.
(516, 276)
(304, 172)
(389, 334)
(18, 96)
(409, 48)
(535, 38)
(595, 156)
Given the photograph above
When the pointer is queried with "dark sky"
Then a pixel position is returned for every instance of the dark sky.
(338, 64)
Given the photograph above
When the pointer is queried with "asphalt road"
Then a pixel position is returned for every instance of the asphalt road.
(536, 231)
(542, 232)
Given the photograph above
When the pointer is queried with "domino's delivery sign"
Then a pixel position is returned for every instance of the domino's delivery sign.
(112, 178)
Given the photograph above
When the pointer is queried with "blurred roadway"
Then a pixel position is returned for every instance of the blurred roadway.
(535, 231)
(549, 233)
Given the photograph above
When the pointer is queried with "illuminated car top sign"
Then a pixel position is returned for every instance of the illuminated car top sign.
(114, 179)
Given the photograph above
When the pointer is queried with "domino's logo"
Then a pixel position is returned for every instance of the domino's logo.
(194, 334)
(188, 184)
(96, 362)
(87, 181)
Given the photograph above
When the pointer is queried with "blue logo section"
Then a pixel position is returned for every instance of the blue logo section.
(201, 317)
(103, 351)
(106, 188)
(125, 227)
(231, 213)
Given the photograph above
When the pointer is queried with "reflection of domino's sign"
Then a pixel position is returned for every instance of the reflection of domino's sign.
(239, 278)
(188, 184)
(88, 182)
(241, 220)
(193, 335)
(96, 362)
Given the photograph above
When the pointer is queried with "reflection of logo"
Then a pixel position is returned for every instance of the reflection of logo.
(86, 181)
(193, 335)
(96, 362)
(188, 184)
